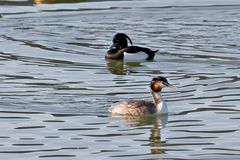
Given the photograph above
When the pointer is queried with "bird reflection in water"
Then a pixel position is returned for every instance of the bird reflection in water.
(158, 122)
(120, 67)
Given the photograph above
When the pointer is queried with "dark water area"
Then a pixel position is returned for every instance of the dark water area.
(56, 85)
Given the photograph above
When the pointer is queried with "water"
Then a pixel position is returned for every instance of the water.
(56, 85)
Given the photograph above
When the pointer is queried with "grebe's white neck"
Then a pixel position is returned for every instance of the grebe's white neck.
(160, 104)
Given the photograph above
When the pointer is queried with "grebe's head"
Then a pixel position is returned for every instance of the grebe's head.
(158, 83)
(120, 41)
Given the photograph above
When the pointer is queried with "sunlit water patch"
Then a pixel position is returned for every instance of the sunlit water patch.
(56, 85)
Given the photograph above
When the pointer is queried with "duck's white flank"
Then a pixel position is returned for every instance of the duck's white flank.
(135, 56)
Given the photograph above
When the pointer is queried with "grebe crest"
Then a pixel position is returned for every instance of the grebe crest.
(141, 107)
(158, 83)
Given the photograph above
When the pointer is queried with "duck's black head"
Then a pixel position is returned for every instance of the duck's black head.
(120, 41)
(158, 83)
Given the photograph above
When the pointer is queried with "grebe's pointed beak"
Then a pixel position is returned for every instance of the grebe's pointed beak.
(169, 85)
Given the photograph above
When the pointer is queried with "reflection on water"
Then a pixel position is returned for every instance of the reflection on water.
(120, 67)
(157, 123)
(56, 85)
(155, 120)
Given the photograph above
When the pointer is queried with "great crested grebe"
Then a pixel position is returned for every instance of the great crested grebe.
(120, 49)
(141, 107)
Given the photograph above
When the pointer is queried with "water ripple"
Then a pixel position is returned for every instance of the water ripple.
(56, 85)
